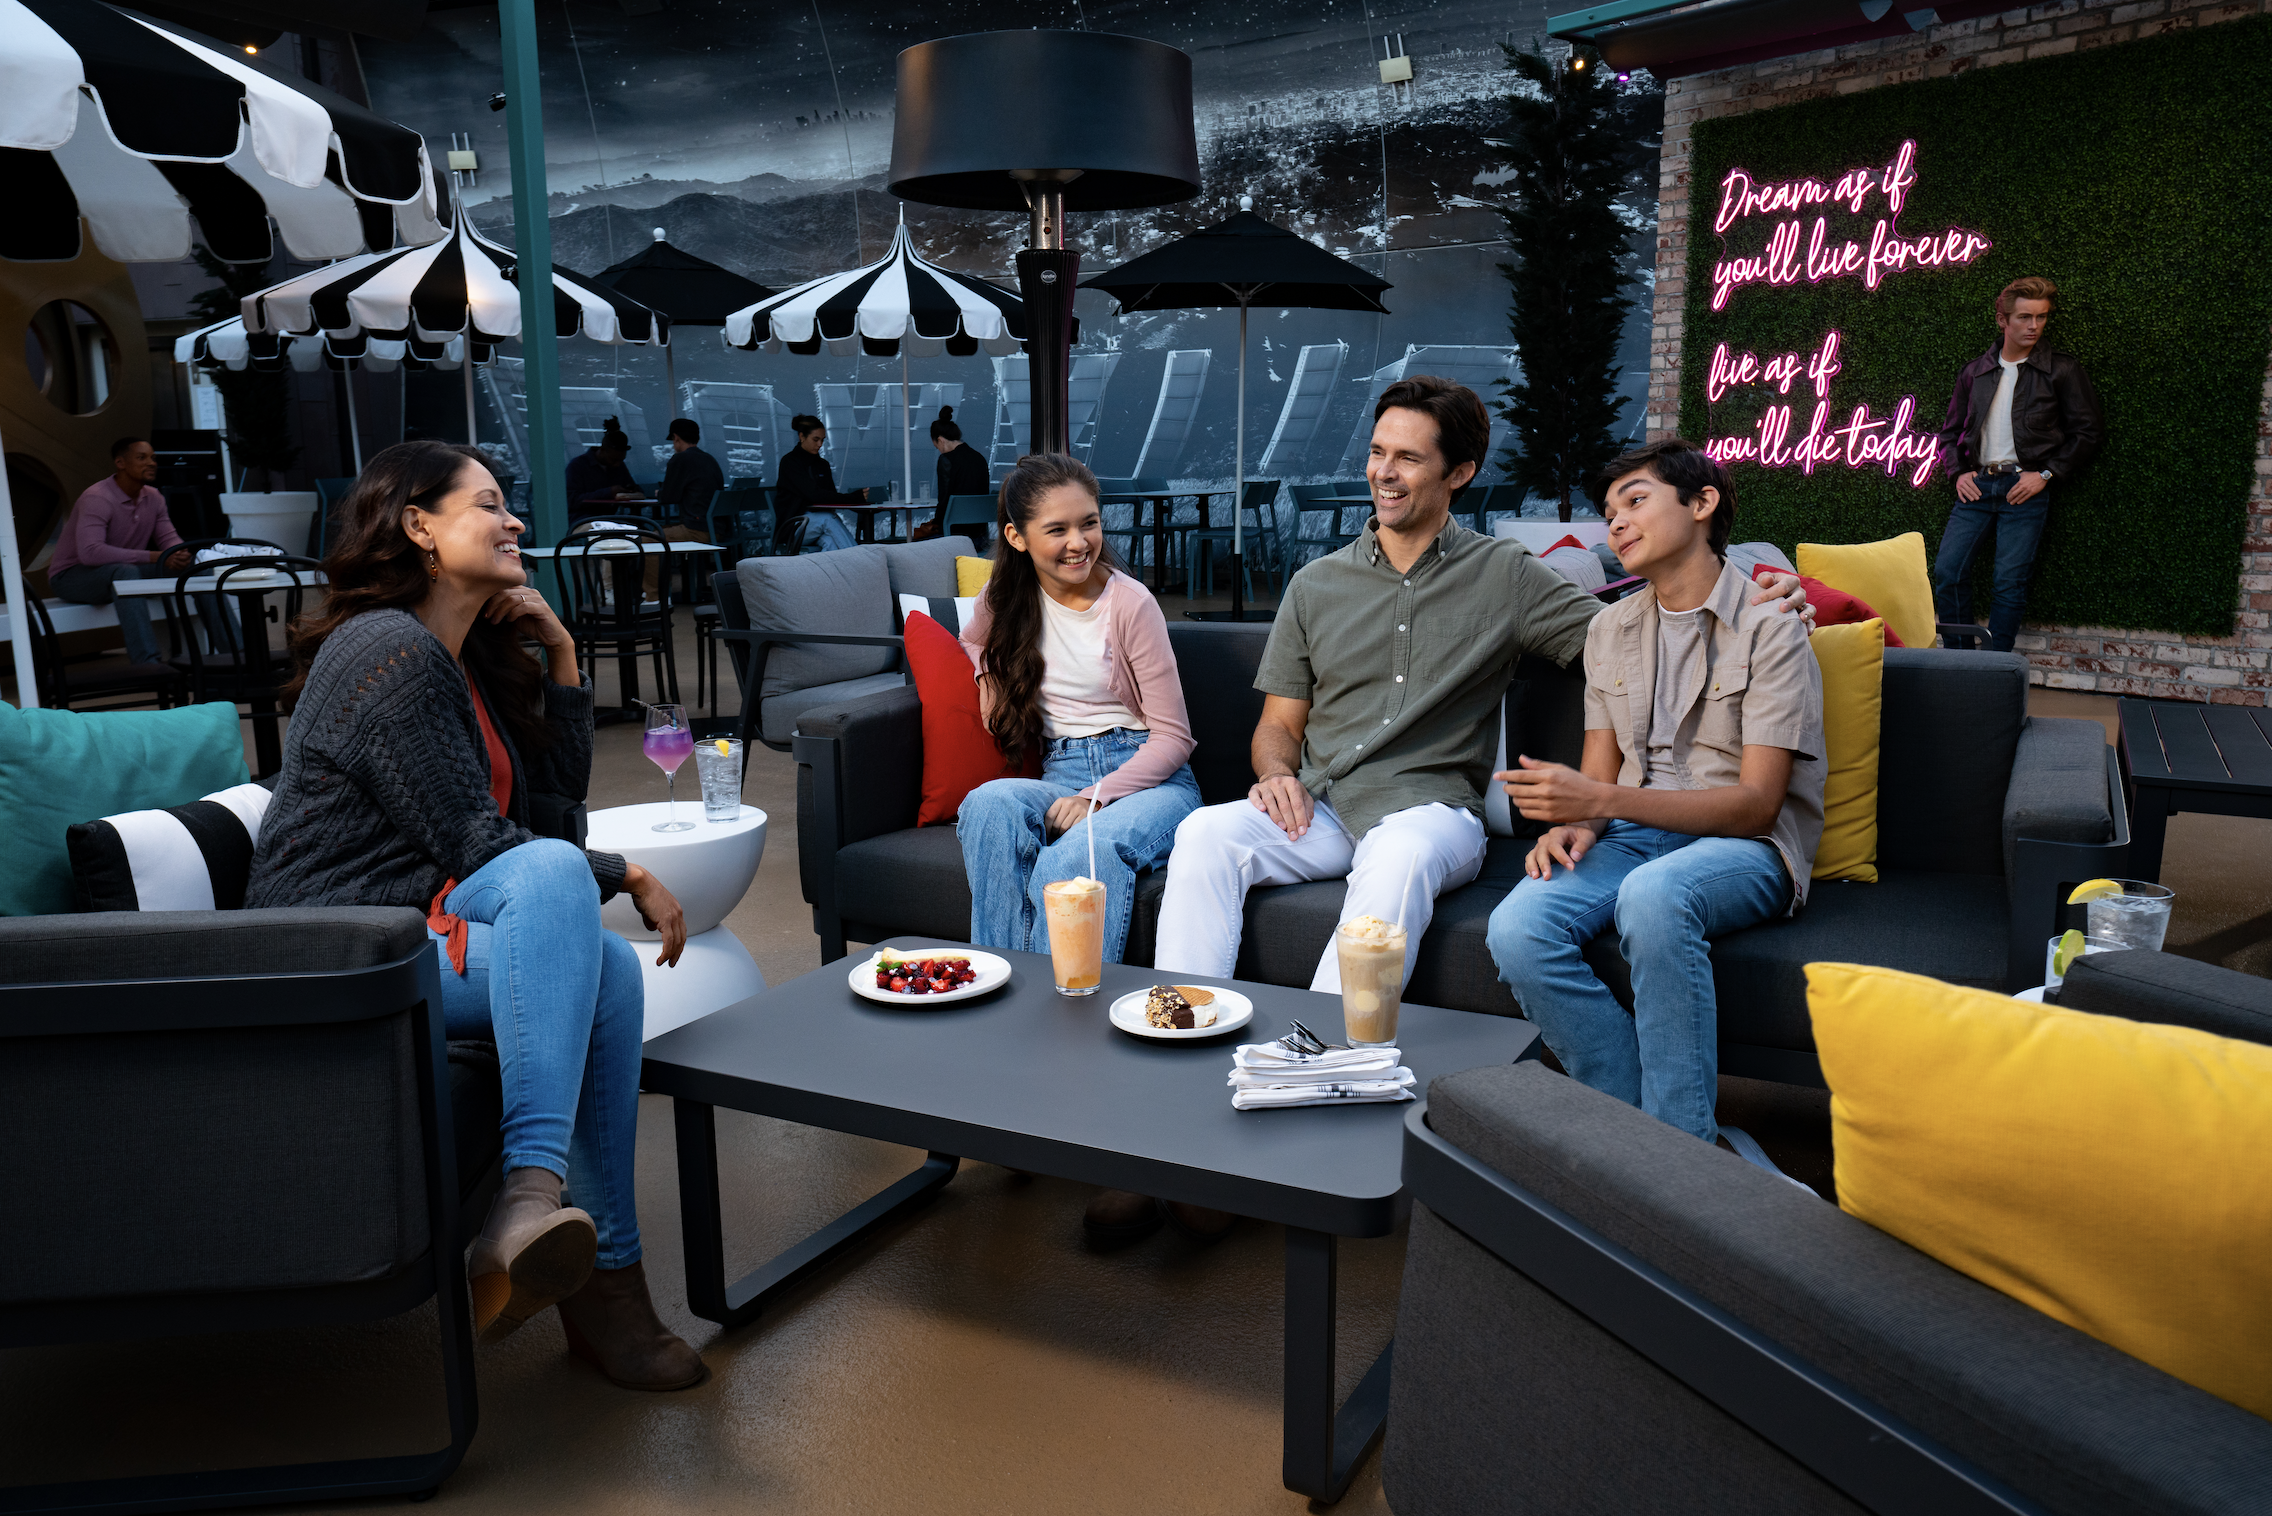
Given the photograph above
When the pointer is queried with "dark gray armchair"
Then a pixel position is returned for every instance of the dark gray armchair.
(1601, 1314)
(219, 1121)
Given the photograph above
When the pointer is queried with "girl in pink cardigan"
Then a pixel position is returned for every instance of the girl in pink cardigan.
(1073, 661)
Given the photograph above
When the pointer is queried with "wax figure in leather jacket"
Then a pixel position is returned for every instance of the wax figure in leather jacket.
(2056, 420)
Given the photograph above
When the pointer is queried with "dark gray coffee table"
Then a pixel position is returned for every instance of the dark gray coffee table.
(1032, 1080)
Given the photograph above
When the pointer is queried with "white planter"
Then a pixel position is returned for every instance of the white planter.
(278, 516)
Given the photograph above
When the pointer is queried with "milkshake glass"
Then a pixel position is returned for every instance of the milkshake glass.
(1372, 979)
(1074, 909)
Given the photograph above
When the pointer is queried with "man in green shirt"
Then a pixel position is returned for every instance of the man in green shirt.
(1382, 682)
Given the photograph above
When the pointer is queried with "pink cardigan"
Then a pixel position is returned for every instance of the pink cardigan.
(1139, 668)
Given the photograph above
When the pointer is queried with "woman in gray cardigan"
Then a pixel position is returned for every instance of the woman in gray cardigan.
(424, 739)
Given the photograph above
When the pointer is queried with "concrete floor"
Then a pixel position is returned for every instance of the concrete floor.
(981, 1358)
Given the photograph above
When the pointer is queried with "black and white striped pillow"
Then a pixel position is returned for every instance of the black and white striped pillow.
(194, 857)
(949, 611)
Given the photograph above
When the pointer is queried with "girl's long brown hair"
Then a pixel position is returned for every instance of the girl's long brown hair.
(1013, 600)
(373, 565)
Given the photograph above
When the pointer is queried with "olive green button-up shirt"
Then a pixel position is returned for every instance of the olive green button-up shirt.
(1404, 672)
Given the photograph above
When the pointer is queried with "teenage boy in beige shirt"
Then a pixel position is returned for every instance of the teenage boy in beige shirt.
(1697, 809)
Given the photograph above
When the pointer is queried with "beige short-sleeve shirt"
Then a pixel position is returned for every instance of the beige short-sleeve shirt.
(1757, 685)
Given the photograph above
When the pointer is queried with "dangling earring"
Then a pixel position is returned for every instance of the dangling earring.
(433, 564)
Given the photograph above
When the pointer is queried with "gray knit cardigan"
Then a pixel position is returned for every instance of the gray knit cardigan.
(385, 788)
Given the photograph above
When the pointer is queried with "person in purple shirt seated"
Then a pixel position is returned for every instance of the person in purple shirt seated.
(119, 530)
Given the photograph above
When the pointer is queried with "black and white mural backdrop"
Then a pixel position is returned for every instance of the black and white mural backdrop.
(757, 136)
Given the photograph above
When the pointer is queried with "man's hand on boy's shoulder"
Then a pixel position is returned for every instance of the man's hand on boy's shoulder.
(1790, 591)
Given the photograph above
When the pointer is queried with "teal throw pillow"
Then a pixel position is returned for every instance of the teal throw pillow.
(58, 768)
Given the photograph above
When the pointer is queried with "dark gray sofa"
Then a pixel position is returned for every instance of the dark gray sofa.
(1600, 1314)
(1983, 813)
(224, 1121)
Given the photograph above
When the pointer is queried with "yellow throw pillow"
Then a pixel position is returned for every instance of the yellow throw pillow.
(971, 575)
(1890, 576)
(1853, 672)
(2112, 1174)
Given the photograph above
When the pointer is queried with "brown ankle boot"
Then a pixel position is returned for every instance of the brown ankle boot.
(532, 1251)
(611, 1323)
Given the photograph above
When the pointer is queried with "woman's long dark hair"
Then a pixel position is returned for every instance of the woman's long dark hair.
(373, 565)
(1013, 600)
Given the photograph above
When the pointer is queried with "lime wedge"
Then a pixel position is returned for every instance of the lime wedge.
(2094, 889)
(2070, 948)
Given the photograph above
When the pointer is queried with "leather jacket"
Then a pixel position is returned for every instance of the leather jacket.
(2056, 420)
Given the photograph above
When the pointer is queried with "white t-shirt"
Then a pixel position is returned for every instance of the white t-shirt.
(1076, 689)
(1680, 653)
(1996, 437)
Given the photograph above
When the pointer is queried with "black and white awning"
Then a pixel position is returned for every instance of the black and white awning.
(142, 127)
(462, 285)
(872, 309)
(226, 344)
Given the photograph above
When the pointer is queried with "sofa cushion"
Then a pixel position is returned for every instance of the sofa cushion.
(71, 949)
(845, 592)
(2167, 988)
(959, 753)
(2094, 1168)
(1890, 576)
(777, 717)
(1949, 732)
(1852, 659)
(59, 768)
(2073, 1424)
(1216, 662)
(194, 857)
(923, 568)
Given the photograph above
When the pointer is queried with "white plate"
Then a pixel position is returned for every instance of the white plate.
(1232, 1011)
(993, 973)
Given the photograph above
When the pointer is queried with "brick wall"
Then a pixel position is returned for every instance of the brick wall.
(2235, 670)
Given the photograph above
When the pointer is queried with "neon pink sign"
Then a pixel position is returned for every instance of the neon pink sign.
(1795, 252)
(1861, 441)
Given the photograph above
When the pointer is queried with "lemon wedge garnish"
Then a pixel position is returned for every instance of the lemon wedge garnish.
(2094, 889)
(726, 752)
(2070, 948)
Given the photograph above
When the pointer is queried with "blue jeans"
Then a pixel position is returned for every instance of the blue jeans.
(2018, 529)
(562, 999)
(829, 530)
(1669, 895)
(1002, 849)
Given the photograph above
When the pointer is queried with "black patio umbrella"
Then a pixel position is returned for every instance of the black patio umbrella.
(691, 291)
(1244, 261)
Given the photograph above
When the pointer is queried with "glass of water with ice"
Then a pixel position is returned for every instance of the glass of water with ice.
(719, 761)
(2137, 918)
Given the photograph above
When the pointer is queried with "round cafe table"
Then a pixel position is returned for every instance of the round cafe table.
(708, 869)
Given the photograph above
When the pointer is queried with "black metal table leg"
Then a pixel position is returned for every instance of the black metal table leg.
(708, 1294)
(2149, 827)
(1324, 1445)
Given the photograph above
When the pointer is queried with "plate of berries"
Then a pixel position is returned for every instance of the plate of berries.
(929, 976)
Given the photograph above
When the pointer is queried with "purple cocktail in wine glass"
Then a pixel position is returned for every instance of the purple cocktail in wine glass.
(670, 742)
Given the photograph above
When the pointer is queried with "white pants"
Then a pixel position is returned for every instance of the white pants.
(1222, 851)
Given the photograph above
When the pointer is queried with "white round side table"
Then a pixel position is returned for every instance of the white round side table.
(708, 869)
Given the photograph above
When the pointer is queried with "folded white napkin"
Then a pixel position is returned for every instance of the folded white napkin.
(1269, 1075)
(221, 550)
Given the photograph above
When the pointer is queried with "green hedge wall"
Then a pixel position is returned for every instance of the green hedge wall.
(2138, 177)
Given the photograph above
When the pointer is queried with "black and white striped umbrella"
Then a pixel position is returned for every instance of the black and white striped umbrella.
(873, 309)
(226, 344)
(141, 127)
(463, 284)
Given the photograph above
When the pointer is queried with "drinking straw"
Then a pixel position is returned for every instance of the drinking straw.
(1092, 820)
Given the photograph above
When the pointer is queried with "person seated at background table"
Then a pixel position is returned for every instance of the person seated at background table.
(425, 739)
(1696, 811)
(117, 530)
(690, 481)
(1073, 662)
(1382, 684)
(804, 481)
(597, 475)
(962, 471)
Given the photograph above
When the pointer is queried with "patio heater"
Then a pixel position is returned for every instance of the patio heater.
(1046, 122)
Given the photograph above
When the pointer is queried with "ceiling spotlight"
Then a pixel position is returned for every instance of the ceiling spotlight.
(1624, 78)
(251, 49)
(1578, 63)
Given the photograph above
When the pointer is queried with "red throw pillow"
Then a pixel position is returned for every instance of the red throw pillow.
(1832, 607)
(959, 753)
(1569, 541)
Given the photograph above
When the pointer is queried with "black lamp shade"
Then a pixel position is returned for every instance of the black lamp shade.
(973, 109)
